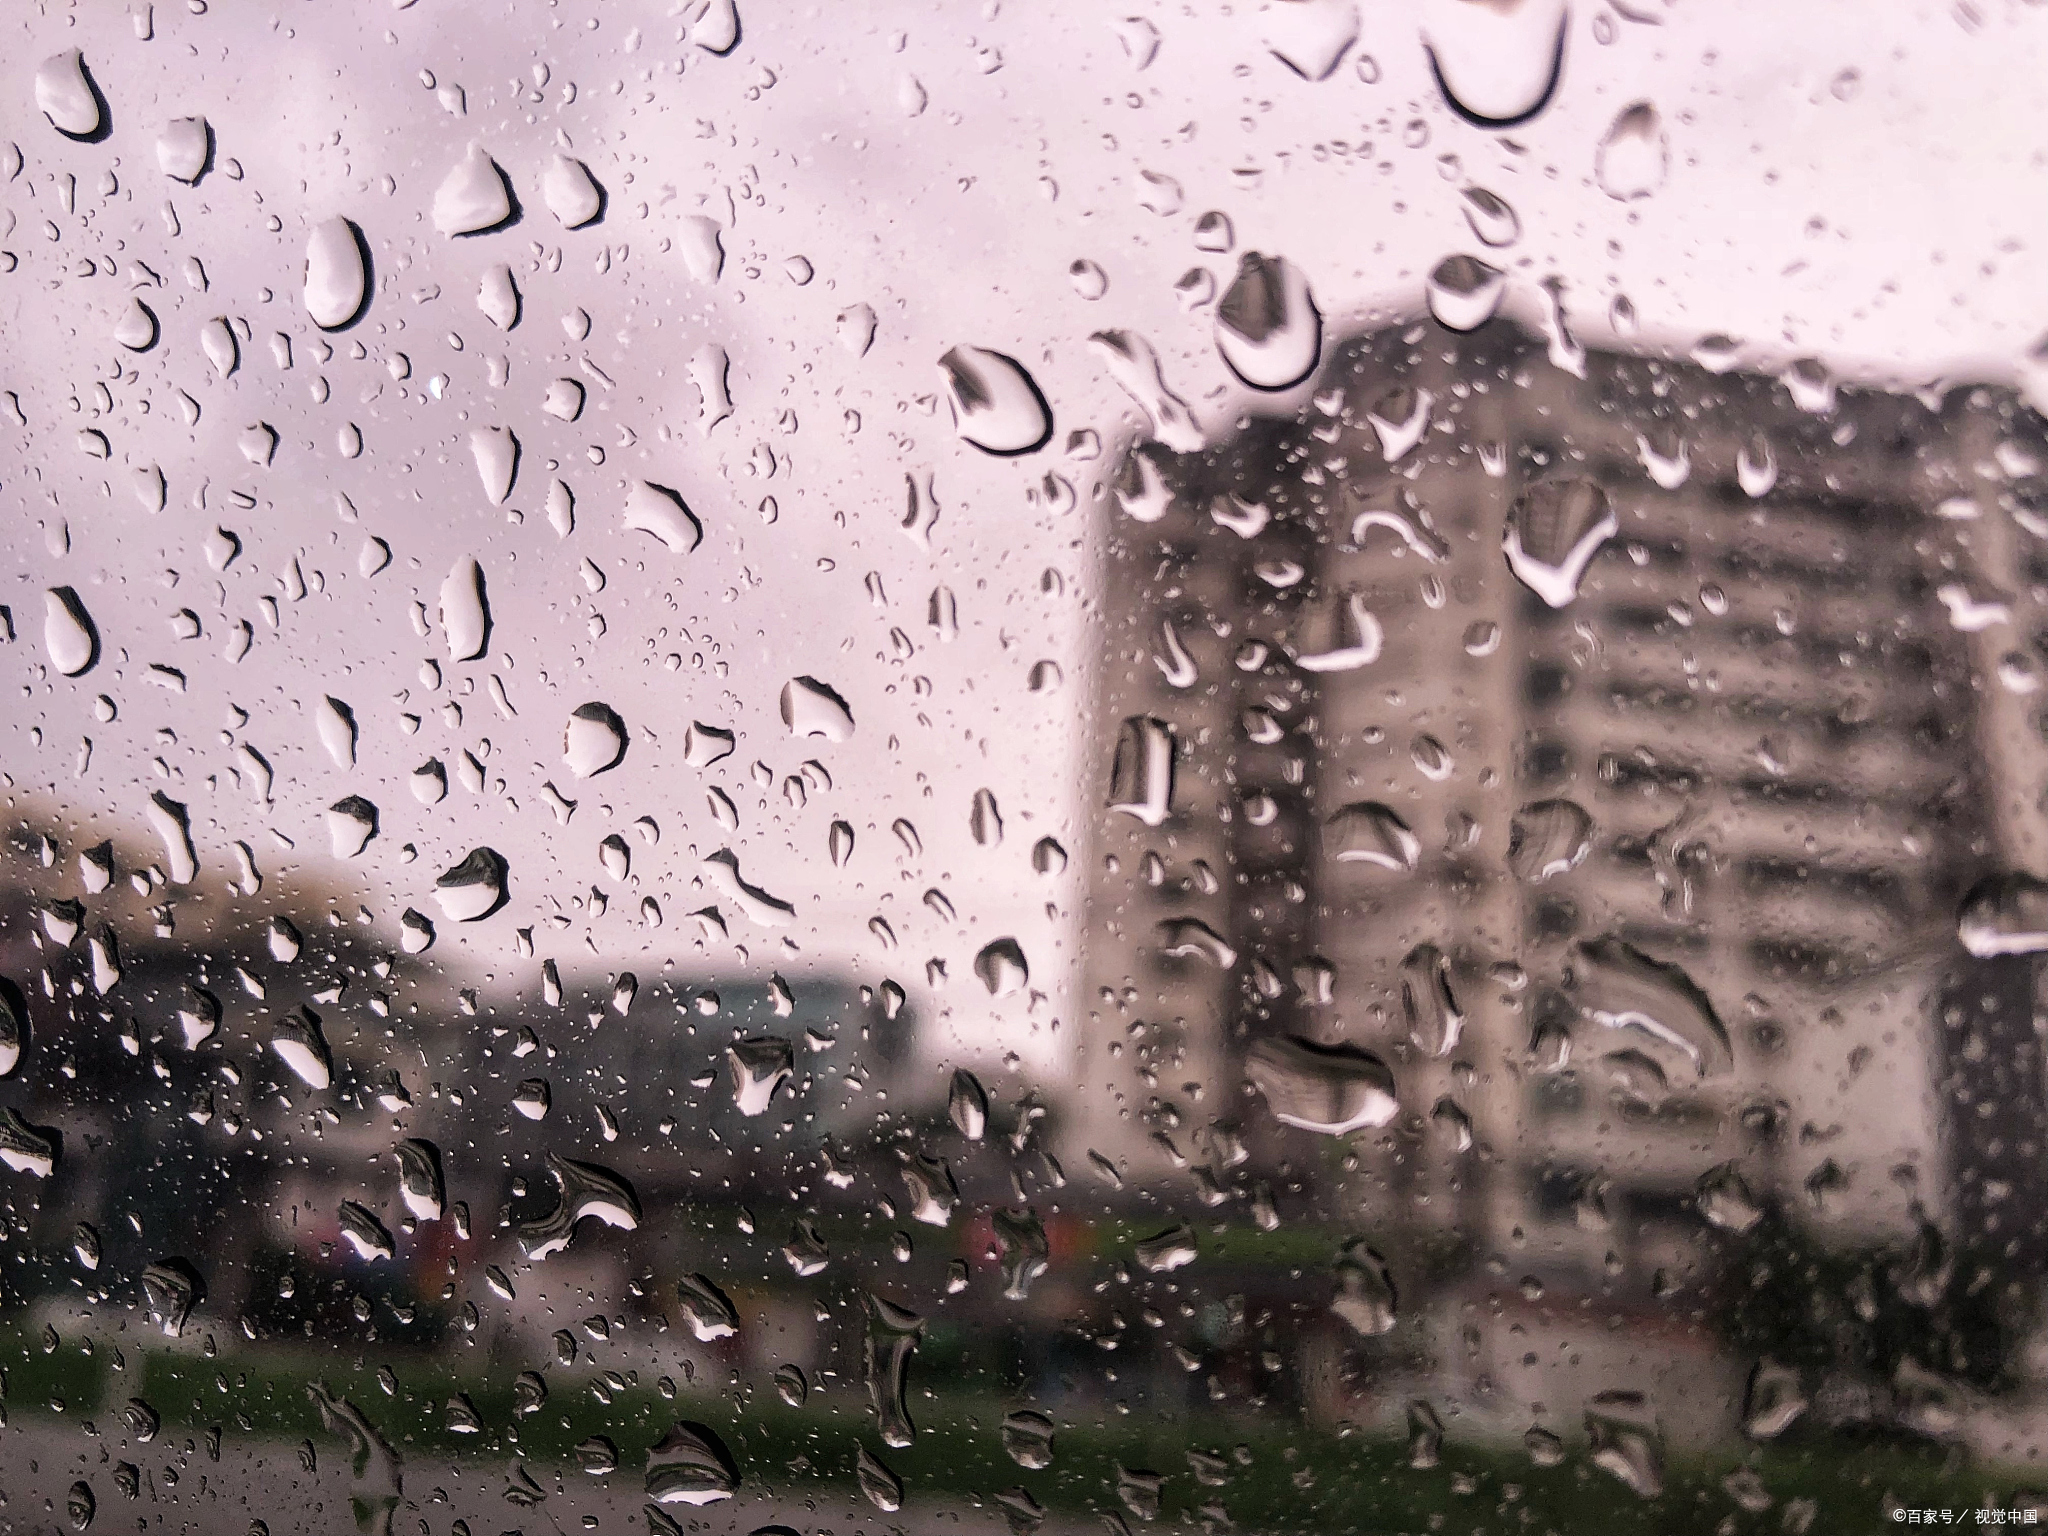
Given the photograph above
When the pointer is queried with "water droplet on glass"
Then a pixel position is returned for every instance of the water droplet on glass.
(183, 149)
(1653, 1000)
(1365, 1296)
(1553, 532)
(1626, 1441)
(70, 638)
(496, 451)
(1089, 280)
(1435, 1021)
(136, 329)
(883, 1488)
(1142, 770)
(1492, 218)
(466, 611)
(586, 1189)
(1310, 36)
(365, 1233)
(300, 1045)
(2005, 914)
(351, 824)
(812, 708)
(1027, 1437)
(1024, 1250)
(996, 406)
(337, 273)
(1164, 1252)
(171, 1288)
(760, 1065)
(419, 1179)
(1140, 40)
(1267, 326)
(594, 741)
(474, 888)
(690, 1465)
(1367, 832)
(66, 95)
(1134, 364)
(1332, 1089)
(657, 510)
(1634, 156)
(966, 1104)
(26, 1148)
(1464, 292)
(707, 1309)
(474, 197)
(1497, 64)
(571, 192)
(791, 1385)
(1548, 838)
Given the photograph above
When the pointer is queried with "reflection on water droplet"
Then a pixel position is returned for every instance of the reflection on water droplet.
(996, 405)
(1634, 156)
(1267, 326)
(1553, 532)
(1497, 64)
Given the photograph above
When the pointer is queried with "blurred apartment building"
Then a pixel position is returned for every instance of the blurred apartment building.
(1768, 736)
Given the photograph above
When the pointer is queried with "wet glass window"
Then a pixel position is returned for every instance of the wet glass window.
(1268, 768)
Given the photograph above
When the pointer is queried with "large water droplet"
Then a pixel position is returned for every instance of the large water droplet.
(1164, 1252)
(1548, 838)
(707, 1309)
(595, 739)
(722, 869)
(1333, 1089)
(1141, 772)
(370, 1238)
(184, 148)
(1023, 1250)
(1310, 36)
(299, 1043)
(966, 1104)
(172, 824)
(474, 197)
(496, 451)
(1027, 1437)
(70, 637)
(1367, 832)
(1435, 1021)
(1625, 989)
(996, 405)
(691, 1465)
(1553, 532)
(812, 708)
(892, 1338)
(656, 509)
(474, 888)
(466, 611)
(1492, 218)
(1496, 62)
(336, 723)
(171, 1288)
(136, 328)
(351, 823)
(1635, 156)
(65, 94)
(571, 192)
(1267, 325)
(586, 1189)
(337, 273)
(1002, 968)
(1365, 1297)
(760, 1065)
(883, 1488)
(420, 1183)
(26, 1148)
(1626, 1441)
(1135, 366)
(1464, 292)
(2005, 914)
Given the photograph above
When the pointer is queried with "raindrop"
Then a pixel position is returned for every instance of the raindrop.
(1626, 1442)
(27, 1148)
(1367, 832)
(594, 741)
(474, 888)
(996, 405)
(70, 637)
(420, 1184)
(1025, 1251)
(1310, 36)
(171, 1288)
(337, 273)
(585, 1190)
(707, 1309)
(571, 192)
(811, 708)
(474, 197)
(1134, 364)
(893, 1336)
(1027, 1437)
(137, 328)
(1365, 1296)
(66, 95)
(1089, 280)
(1548, 838)
(1492, 218)
(351, 823)
(1267, 325)
(497, 295)
(1635, 155)
(1553, 532)
(1497, 64)
(791, 1385)
(1625, 989)
(1464, 292)
(1213, 232)
(300, 1045)
(466, 611)
(1435, 1021)
(2005, 914)
(1333, 1089)
(1142, 770)
(760, 1065)
(656, 509)
(1002, 968)
(496, 451)
(1164, 1252)
(966, 1104)
(183, 149)
(690, 1465)
(883, 1488)
(365, 1233)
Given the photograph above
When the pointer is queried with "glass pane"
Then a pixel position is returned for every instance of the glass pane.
(1270, 768)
